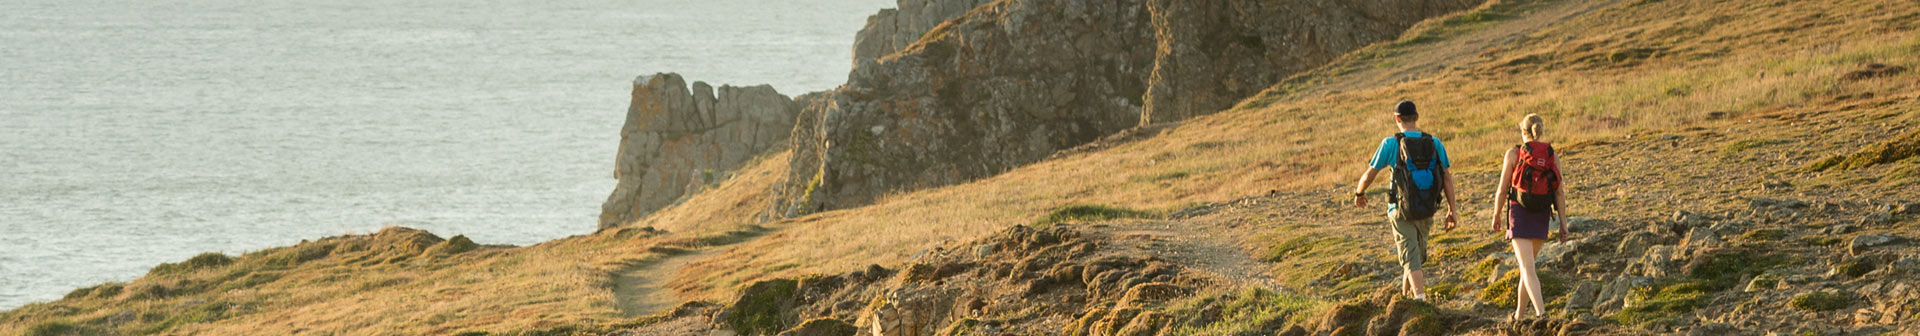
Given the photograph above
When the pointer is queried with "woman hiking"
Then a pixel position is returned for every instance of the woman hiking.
(1530, 193)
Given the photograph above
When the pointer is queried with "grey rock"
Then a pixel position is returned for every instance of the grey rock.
(1876, 220)
(1728, 227)
(982, 250)
(1909, 209)
(1583, 224)
(1688, 218)
(1614, 295)
(893, 29)
(1713, 329)
(1658, 262)
(1701, 237)
(1582, 296)
(1009, 83)
(1761, 202)
(1840, 229)
(1764, 281)
(1862, 243)
(677, 141)
(1636, 243)
(1563, 253)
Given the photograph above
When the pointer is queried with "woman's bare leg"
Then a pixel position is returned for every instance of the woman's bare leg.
(1520, 303)
(1529, 288)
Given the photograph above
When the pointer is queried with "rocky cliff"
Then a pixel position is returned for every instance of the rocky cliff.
(675, 141)
(894, 29)
(1012, 81)
(1208, 54)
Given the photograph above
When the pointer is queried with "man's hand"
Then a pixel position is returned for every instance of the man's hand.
(1452, 221)
(1360, 200)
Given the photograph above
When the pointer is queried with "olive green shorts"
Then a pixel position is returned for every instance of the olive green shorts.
(1410, 240)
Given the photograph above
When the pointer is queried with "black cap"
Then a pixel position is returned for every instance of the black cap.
(1405, 109)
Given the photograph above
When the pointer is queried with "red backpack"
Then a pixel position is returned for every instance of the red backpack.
(1538, 180)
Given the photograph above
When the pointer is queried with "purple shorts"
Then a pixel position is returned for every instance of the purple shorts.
(1522, 223)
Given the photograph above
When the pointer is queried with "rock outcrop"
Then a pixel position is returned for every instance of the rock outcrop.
(894, 29)
(1211, 54)
(1012, 81)
(677, 141)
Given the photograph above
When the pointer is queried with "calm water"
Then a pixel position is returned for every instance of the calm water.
(139, 132)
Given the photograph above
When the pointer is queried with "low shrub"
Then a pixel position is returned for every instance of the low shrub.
(1087, 213)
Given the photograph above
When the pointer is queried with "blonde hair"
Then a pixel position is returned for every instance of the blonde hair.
(1533, 127)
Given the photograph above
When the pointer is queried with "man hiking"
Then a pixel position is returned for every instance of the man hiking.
(1420, 180)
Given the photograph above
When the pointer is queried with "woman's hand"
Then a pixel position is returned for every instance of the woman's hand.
(1563, 228)
(1495, 224)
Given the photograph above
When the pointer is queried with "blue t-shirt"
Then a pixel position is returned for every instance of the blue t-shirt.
(1390, 152)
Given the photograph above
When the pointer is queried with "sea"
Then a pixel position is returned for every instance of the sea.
(136, 132)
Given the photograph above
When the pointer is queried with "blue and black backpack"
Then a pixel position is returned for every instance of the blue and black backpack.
(1416, 177)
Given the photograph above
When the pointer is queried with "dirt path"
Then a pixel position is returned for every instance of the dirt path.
(1192, 245)
(640, 291)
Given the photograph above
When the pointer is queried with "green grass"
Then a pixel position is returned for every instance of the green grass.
(1821, 301)
(1245, 311)
(203, 261)
(1725, 269)
(1091, 213)
(1820, 241)
(1889, 151)
(1713, 272)
(1762, 235)
(52, 328)
(759, 313)
(1664, 302)
(1299, 246)
(1855, 267)
(1503, 292)
(1744, 145)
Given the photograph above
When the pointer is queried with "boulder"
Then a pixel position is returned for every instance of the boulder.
(1636, 243)
(1613, 296)
(822, 327)
(1582, 296)
(1565, 253)
(1658, 262)
(1713, 329)
(1764, 281)
(1701, 237)
(1145, 294)
(1343, 317)
(911, 309)
(1762, 203)
(1145, 324)
(1861, 244)
(677, 141)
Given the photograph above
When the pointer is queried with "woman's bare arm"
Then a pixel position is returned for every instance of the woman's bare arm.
(1500, 190)
(1560, 197)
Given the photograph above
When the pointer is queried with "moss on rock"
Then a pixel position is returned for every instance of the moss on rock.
(758, 311)
(1821, 301)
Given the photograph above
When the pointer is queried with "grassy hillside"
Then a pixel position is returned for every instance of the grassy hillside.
(1660, 106)
(1606, 72)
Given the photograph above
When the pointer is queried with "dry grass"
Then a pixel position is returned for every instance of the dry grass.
(1626, 70)
(1700, 70)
